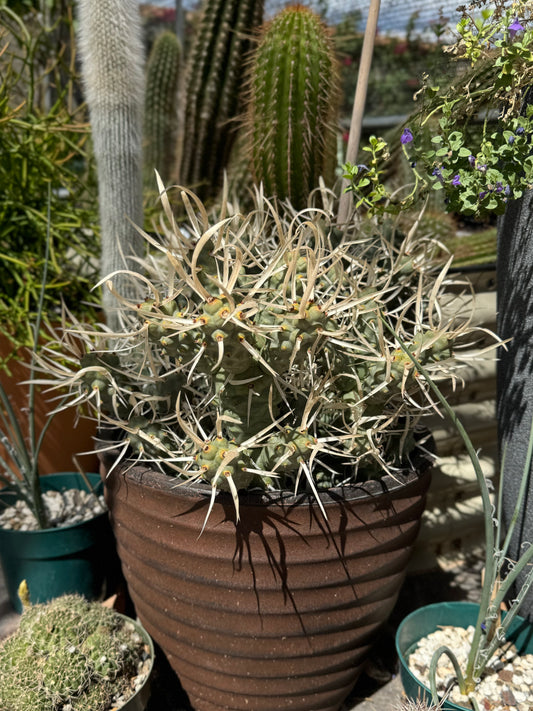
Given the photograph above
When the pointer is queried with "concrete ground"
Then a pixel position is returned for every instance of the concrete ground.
(379, 689)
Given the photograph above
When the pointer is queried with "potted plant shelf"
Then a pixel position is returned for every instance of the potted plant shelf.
(70, 653)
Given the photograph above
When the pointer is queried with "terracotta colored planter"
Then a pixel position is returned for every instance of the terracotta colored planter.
(66, 437)
(277, 612)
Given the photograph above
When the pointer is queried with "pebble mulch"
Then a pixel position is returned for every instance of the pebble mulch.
(63, 508)
(507, 684)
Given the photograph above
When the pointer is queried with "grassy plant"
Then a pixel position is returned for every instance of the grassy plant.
(20, 464)
(500, 574)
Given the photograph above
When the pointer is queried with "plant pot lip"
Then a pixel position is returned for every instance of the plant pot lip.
(55, 529)
(451, 604)
(385, 485)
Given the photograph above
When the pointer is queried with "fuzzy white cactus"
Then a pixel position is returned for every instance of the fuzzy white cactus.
(112, 54)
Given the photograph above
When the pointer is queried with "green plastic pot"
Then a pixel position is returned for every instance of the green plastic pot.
(427, 619)
(80, 558)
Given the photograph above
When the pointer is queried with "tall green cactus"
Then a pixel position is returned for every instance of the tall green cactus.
(294, 89)
(213, 87)
(160, 107)
(112, 52)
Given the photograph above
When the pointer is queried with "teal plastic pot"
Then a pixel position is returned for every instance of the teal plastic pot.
(427, 619)
(80, 558)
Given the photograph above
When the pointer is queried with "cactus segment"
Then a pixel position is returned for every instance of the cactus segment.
(213, 85)
(160, 108)
(293, 99)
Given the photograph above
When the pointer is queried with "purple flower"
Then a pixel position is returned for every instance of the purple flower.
(511, 140)
(436, 172)
(406, 136)
(456, 180)
(507, 190)
(472, 160)
(520, 130)
(514, 27)
(362, 167)
(498, 187)
(482, 168)
(483, 194)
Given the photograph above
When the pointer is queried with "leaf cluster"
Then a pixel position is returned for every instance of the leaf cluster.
(43, 143)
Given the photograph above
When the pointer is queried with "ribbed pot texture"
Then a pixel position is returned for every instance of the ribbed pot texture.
(278, 611)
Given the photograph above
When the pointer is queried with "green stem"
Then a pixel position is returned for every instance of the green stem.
(433, 672)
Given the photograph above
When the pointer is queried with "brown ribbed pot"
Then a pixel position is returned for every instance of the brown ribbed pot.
(274, 613)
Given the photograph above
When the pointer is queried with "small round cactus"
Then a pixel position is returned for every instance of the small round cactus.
(69, 653)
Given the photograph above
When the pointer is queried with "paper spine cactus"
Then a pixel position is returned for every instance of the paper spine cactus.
(213, 87)
(262, 362)
(293, 99)
(160, 112)
(112, 52)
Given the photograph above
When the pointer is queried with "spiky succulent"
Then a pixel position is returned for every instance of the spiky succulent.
(68, 653)
(261, 356)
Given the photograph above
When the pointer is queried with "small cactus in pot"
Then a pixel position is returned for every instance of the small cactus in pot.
(73, 654)
(259, 354)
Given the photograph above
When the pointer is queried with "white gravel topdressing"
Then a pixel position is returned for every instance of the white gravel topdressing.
(63, 508)
(507, 684)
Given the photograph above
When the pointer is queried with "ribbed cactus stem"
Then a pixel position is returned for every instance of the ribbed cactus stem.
(292, 105)
(160, 112)
(111, 50)
(213, 88)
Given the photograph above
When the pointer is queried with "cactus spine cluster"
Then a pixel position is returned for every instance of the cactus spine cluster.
(214, 77)
(259, 357)
(112, 52)
(160, 112)
(293, 100)
(68, 653)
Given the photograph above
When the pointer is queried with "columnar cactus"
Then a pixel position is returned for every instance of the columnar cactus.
(260, 357)
(68, 653)
(294, 89)
(112, 53)
(213, 89)
(160, 111)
